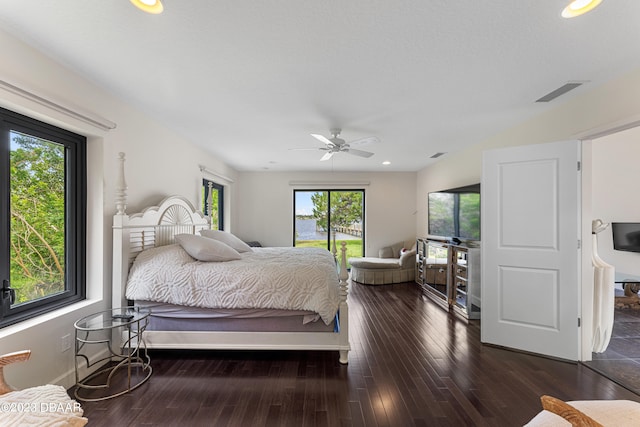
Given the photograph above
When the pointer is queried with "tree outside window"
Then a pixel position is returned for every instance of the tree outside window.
(217, 202)
(322, 214)
(43, 172)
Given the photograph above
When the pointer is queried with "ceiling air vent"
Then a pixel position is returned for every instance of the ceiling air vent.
(560, 91)
(435, 156)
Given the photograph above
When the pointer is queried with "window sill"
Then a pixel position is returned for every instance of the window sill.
(47, 317)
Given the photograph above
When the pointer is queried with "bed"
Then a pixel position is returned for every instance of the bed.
(148, 247)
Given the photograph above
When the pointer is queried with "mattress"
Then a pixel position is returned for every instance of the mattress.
(170, 317)
(275, 278)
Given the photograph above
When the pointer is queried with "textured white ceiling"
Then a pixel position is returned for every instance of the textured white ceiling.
(249, 80)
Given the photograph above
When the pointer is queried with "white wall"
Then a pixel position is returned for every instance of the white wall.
(616, 196)
(159, 163)
(265, 205)
(597, 108)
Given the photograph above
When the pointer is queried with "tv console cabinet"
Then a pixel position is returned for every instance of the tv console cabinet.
(449, 274)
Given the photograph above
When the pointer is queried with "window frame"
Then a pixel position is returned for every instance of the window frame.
(220, 189)
(75, 214)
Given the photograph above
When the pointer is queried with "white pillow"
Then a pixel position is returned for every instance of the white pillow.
(204, 249)
(228, 239)
(386, 252)
(397, 249)
(406, 255)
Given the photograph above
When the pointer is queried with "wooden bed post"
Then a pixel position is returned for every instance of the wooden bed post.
(334, 250)
(121, 187)
(344, 308)
(120, 239)
(210, 204)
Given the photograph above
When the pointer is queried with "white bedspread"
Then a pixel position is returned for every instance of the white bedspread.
(279, 278)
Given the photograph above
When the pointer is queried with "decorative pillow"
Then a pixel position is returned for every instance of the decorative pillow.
(397, 248)
(205, 249)
(228, 239)
(407, 258)
(386, 252)
(568, 412)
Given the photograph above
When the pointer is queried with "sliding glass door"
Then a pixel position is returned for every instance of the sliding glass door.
(322, 216)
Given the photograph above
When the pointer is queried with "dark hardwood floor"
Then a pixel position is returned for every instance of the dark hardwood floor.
(411, 364)
(621, 360)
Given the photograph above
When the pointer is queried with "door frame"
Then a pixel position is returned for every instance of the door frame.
(587, 137)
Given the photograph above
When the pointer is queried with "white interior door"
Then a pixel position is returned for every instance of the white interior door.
(530, 248)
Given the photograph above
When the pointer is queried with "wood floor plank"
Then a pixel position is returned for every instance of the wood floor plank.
(411, 364)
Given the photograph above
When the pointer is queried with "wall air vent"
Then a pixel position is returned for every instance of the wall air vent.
(435, 156)
(560, 91)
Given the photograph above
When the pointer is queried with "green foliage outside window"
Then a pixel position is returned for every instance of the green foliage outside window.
(215, 206)
(346, 208)
(37, 217)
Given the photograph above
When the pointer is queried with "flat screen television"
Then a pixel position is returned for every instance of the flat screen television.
(626, 236)
(455, 213)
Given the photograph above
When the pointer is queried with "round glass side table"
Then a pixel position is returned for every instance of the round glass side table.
(123, 370)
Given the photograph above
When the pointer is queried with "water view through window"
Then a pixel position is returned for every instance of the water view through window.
(324, 215)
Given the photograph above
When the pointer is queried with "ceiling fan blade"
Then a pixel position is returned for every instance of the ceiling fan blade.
(323, 139)
(306, 149)
(365, 141)
(327, 156)
(358, 152)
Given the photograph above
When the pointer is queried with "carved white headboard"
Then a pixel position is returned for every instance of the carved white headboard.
(154, 226)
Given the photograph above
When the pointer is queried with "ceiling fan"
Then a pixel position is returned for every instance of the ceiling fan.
(335, 144)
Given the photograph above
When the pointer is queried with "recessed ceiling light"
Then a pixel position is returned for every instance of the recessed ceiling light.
(149, 6)
(436, 155)
(579, 7)
(386, 162)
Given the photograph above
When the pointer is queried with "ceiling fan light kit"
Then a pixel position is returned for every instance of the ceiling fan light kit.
(149, 6)
(579, 7)
(335, 144)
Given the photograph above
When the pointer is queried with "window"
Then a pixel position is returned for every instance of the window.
(217, 203)
(321, 216)
(42, 217)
